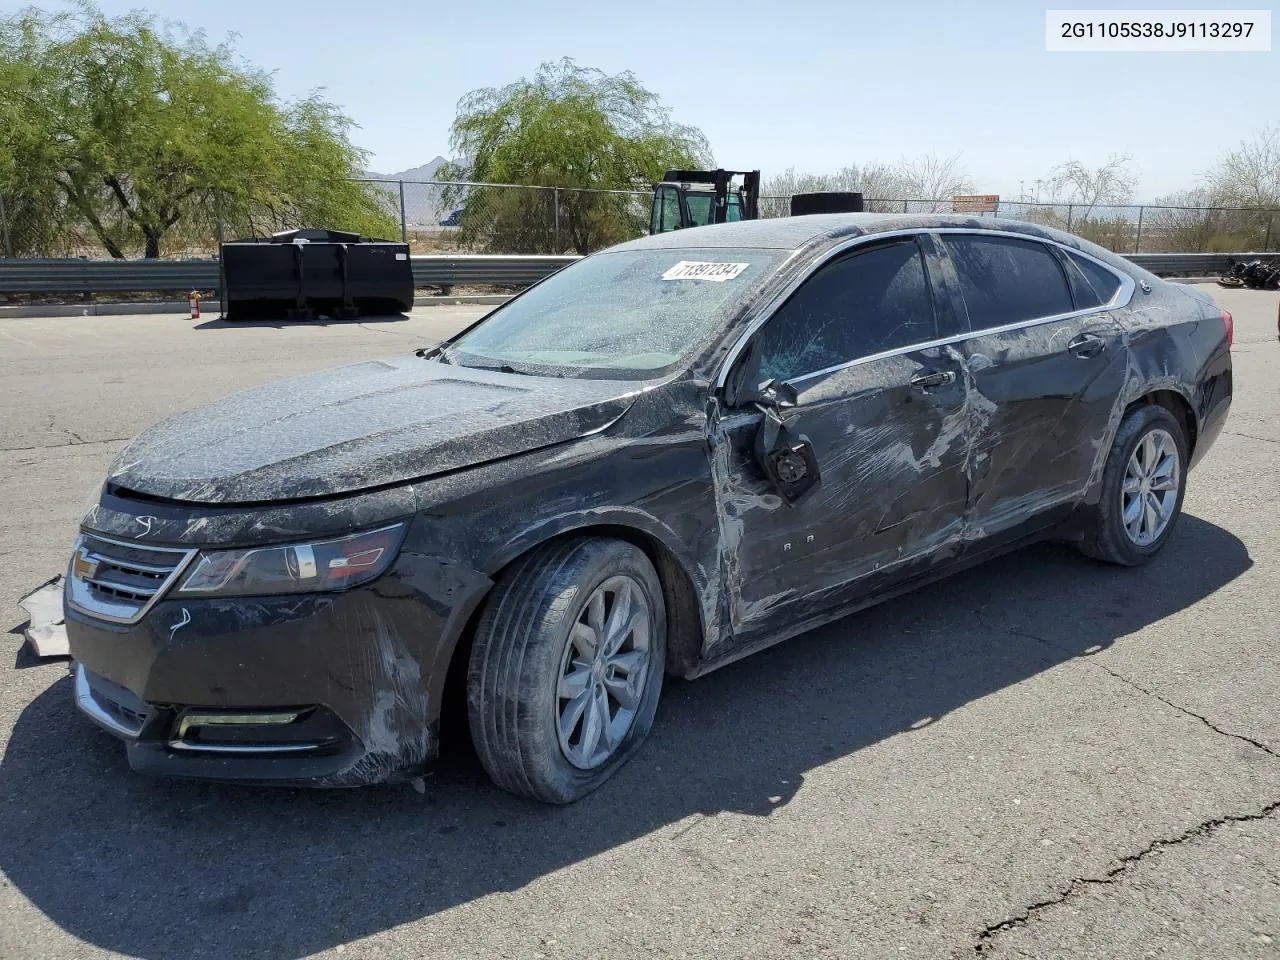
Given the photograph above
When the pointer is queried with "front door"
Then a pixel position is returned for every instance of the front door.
(884, 415)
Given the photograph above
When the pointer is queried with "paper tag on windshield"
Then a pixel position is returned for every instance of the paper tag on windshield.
(702, 270)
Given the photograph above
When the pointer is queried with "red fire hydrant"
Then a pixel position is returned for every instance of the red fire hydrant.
(195, 304)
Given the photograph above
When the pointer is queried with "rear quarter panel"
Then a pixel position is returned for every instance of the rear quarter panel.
(1175, 341)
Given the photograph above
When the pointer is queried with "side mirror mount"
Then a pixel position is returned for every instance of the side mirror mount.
(747, 386)
(776, 394)
(785, 457)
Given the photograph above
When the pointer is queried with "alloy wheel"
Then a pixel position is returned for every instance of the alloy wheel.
(603, 672)
(1149, 494)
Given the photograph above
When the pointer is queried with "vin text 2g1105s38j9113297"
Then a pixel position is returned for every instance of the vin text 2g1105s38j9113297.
(664, 457)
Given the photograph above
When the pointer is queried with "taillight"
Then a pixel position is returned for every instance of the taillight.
(1231, 327)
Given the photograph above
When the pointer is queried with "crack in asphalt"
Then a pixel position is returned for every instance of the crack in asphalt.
(76, 442)
(1191, 713)
(1203, 829)
(1250, 436)
(1155, 696)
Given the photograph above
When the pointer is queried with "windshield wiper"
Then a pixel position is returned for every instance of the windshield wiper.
(498, 368)
(446, 354)
(439, 353)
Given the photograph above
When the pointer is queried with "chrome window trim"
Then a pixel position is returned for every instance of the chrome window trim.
(1122, 297)
(102, 611)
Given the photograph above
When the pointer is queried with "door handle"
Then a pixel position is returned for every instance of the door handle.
(934, 378)
(1086, 345)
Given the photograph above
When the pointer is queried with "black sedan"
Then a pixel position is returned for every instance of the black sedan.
(666, 456)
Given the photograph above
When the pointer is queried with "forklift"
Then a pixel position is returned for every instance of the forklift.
(698, 198)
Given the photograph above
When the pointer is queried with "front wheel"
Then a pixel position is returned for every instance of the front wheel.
(566, 668)
(1142, 489)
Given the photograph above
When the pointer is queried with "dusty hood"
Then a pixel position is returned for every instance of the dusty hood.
(359, 426)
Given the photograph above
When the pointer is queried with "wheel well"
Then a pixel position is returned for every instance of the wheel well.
(680, 596)
(1176, 404)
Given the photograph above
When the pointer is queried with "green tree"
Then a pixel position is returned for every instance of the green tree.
(143, 134)
(571, 127)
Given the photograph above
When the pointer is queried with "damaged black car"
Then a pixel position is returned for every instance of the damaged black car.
(664, 457)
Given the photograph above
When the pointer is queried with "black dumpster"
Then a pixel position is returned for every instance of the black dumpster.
(303, 274)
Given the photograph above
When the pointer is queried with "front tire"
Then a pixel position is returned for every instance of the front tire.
(566, 668)
(1143, 485)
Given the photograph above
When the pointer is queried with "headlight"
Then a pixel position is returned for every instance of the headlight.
(295, 568)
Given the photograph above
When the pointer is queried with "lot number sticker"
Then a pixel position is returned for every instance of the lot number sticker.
(702, 270)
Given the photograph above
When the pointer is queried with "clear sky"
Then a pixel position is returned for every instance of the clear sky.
(813, 84)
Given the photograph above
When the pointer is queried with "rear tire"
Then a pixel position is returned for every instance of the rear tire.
(553, 709)
(1143, 485)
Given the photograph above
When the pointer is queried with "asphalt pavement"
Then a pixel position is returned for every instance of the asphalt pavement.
(1041, 757)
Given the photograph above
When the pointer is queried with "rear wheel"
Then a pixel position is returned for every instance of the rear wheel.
(1142, 489)
(566, 669)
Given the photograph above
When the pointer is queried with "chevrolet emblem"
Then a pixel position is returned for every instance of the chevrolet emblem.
(83, 565)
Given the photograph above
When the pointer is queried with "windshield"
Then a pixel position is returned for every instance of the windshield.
(624, 315)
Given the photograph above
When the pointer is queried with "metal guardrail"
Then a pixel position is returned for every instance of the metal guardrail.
(145, 276)
(481, 269)
(1194, 264)
(106, 276)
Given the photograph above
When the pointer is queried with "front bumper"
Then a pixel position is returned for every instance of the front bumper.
(315, 748)
(319, 690)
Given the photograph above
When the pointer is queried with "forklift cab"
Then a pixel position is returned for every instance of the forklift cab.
(697, 198)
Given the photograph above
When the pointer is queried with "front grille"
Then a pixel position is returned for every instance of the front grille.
(118, 581)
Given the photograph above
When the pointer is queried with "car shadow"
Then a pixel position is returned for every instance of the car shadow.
(218, 323)
(163, 869)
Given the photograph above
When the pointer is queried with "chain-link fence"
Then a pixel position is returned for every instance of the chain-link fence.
(452, 217)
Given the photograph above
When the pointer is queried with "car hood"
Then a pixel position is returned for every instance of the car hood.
(365, 425)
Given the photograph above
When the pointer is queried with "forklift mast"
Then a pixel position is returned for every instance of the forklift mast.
(696, 198)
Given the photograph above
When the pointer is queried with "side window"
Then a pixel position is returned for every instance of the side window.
(666, 212)
(734, 211)
(865, 303)
(1005, 280)
(698, 203)
(1096, 282)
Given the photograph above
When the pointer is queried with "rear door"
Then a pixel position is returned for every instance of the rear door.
(1046, 361)
(883, 410)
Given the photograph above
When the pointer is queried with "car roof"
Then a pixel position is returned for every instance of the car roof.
(794, 233)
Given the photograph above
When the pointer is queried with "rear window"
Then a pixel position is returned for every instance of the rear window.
(1097, 284)
(1006, 280)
